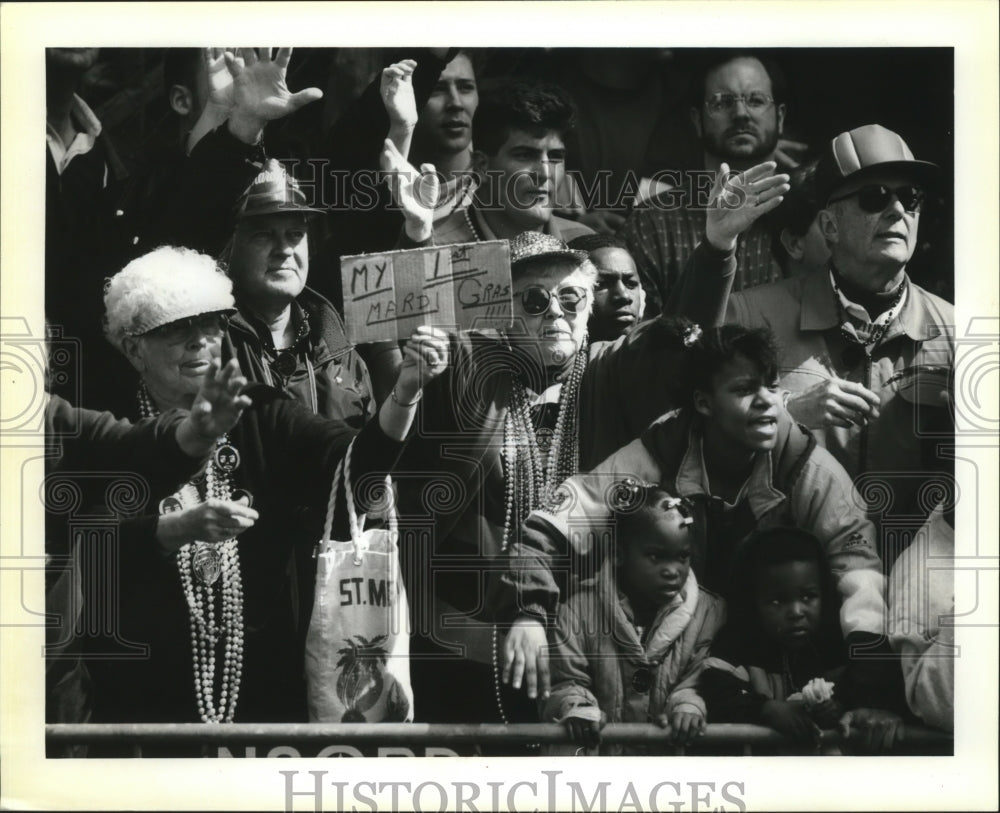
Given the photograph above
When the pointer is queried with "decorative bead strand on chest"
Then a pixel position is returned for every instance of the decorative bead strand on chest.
(215, 615)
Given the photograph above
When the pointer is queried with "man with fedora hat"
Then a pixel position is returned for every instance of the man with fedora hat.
(286, 334)
(866, 354)
(253, 216)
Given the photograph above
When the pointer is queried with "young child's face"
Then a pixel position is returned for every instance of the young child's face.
(788, 602)
(655, 561)
(744, 404)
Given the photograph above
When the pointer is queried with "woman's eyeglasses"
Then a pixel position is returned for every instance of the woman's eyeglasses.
(535, 299)
(875, 197)
(212, 325)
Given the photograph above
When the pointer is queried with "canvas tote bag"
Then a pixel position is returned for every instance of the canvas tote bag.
(357, 646)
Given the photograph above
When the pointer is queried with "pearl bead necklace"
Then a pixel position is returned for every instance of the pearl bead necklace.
(200, 565)
(529, 482)
(476, 236)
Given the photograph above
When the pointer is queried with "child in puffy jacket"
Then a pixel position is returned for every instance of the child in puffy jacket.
(781, 660)
(629, 645)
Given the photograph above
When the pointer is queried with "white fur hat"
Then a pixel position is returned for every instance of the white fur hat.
(161, 287)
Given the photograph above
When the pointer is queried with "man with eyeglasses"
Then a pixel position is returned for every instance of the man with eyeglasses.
(867, 355)
(738, 114)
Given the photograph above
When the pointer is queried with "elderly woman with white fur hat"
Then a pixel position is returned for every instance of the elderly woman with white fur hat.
(208, 578)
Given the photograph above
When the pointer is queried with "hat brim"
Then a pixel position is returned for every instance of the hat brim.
(561, 254)
(280, 210)
(922, 172)
(226, 311)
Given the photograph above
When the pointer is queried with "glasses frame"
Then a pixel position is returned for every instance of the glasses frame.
(566, 308)
(886, 193)
(715, 106)
(163, 331)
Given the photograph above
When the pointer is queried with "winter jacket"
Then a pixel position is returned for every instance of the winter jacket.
(922, 626)
(797, 483)
(91, 449)
(598, 659)
(736, 686)
(898, 450)
(329, 378)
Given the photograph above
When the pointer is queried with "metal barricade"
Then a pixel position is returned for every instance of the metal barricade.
(716, 736)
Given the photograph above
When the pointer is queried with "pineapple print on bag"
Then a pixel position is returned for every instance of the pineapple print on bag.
(359, 686)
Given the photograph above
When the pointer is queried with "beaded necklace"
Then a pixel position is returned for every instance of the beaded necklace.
(452, 192)
(476, 235)
(284, 362)
(530, 480)
(200, 565)
(879, 330)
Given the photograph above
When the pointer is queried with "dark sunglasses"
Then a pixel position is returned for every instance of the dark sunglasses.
(207, 324)
(875, 197)
(535, 299)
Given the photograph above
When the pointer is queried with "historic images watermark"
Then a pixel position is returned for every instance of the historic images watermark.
(327, 187)
(544, 791)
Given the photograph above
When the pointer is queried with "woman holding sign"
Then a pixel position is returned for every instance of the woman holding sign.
(207, 579)
(505, 424)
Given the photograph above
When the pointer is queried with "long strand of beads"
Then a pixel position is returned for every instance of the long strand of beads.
(476, 236)
(210, 626)
(528, 483)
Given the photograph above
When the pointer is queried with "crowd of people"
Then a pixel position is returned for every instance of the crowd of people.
(659, 494)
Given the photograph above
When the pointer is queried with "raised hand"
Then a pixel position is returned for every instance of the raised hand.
(415, 193)
(219, 403)
(220, 80)
(425, 357)
(739, 199)
(396, 89)
(260, 93)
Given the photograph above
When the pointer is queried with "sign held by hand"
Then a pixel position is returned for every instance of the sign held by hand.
(388, 295)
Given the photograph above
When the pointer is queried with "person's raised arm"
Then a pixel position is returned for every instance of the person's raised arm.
(202, 211)
(396, 89)
(219, 103)
(217, 407)
(415, 193)
(738, 200)
(425, 357)
(260, 93)
(356, 135)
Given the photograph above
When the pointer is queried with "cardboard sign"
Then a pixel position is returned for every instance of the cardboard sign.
(387, 296)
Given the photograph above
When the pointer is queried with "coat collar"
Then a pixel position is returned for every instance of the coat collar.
(669, 624)
(483, 229)
(820, 311)
(326, 329)
(760, 491)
